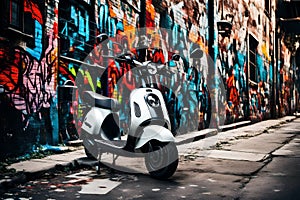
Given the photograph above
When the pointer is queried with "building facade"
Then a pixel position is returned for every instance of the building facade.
(47, 46)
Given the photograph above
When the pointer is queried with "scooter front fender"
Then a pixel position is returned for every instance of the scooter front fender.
(154, 132)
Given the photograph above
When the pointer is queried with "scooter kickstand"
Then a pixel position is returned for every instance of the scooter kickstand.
(115, 157)
(98, 164)
(98, 168)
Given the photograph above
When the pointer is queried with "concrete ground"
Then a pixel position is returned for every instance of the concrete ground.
(211, 138)
(234, 164)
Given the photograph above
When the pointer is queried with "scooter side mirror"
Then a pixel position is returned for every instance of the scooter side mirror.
(124, 58)
(176, 57)
(196, 53)
(128, 58)
(102, 37)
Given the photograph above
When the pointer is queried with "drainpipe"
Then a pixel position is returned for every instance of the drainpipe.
(212, 70)
(293, 98)
(211, 32)
(274, 65)
(297, 77)
(142, 31)
(277, 73)
(142, 16)
(247, 109)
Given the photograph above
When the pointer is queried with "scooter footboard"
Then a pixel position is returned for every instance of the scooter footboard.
(154, 132)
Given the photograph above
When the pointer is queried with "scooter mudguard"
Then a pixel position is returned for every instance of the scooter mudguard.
(155, 132)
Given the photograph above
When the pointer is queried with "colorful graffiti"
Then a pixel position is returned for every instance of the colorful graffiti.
(169, 31)
(173, 27)
(28, 82)
(29, 79)
(39, 60)
(180, 27)
(236, 58)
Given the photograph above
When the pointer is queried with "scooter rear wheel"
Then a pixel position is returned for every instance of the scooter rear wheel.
(90, 149)
(162, 159)
(89, 155)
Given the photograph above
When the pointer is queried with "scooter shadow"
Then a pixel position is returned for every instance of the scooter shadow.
(130, 165)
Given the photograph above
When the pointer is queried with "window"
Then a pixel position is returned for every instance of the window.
(22, 16)
(74, 29)
(15, 13)
(29, 24)
(267, 7)
(252, 58)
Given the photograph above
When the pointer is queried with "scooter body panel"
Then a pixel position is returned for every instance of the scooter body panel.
(94, 120)
(142, 111)
(154, 132)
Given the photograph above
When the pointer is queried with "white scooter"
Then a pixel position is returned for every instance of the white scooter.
(149, 133)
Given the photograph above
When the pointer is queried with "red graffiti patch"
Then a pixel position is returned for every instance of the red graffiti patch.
(34, 10)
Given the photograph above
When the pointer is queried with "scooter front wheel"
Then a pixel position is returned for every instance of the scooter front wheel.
(162, 159)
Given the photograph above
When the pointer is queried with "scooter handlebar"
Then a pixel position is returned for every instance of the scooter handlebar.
(146, 67)
(124, 58)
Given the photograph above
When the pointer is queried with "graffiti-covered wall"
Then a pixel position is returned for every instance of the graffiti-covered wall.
(286, 80)
(51, 50)
(173, 27)
(244, 57)
(182, 28)
(80, 25)
(28, 74)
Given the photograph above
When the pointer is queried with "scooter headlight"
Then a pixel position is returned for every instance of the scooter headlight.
(153, 100)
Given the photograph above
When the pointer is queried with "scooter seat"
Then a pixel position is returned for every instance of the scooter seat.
(101, 101)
